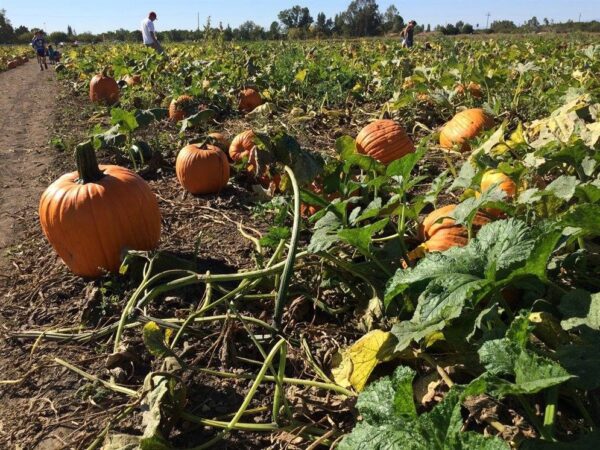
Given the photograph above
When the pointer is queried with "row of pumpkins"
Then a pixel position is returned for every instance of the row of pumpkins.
(16, 62)
(105, 89)
(90, 216)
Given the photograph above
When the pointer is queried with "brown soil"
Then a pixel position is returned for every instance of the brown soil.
(45, 406)
(26, 117)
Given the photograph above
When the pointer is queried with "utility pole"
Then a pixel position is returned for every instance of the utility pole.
(198, 19)
(579, 17)
(487, 22)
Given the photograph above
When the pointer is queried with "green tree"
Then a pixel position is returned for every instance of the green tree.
(392, 20)
(274, 31)
(467, 28)
(296, 17)
(7, 33)
(503, 26)
(363, 18)
(58, 36)
(323, 25)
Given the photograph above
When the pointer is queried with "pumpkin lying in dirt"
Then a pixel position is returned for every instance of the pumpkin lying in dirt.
(94, 214)
(104, 89)
(202, 169)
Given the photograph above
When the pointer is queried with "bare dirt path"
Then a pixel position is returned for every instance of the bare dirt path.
(26, 117)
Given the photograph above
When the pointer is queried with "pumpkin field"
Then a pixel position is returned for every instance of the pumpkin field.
(302, 245)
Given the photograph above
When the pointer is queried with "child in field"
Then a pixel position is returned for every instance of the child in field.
(53, 55)
(408, 34)
(39, 45)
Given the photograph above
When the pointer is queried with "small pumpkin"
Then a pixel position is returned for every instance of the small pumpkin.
(242, 147)
(249, 99)
(495, 177)
(133, 80)
(180, 107)
(220, 140)
(472, 88)
(90, 216)
(202, 170)
(104, 89)
(505, 183)
(384, 140)
(465, 126)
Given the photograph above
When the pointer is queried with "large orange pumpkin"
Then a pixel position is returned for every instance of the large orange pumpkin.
(202, 170)
(384, 140)
(249, 100)
(104, 89)
(92, 215)
(440, 219)
(180, 107)
(463, 127)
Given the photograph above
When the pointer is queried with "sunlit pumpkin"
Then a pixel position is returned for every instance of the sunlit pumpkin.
(92, 215)
(241, 147)
(202, 170)
(472, 88)
(250, 99)
(104, 89)
(463, 127)
(133, 80)
(384, 140)
(180, 107)
(505, 183)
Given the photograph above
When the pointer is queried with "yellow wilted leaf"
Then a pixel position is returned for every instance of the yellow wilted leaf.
(353, 366)
(301, 76)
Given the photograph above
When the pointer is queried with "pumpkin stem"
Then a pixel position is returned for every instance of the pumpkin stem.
(87, 164)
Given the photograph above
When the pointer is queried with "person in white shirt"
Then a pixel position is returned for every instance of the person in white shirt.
(149, 34)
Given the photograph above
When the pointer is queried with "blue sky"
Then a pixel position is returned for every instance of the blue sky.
(112, 14)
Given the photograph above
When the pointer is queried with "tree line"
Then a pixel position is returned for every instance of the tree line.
(362, 18)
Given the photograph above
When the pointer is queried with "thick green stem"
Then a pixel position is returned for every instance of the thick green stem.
(87, 164)
(256, 384)
(286, 380)
(281, 300)
(550, 411)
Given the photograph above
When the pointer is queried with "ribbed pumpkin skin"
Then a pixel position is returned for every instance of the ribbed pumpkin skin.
(463, 127)
(249, 100)
(202, 170)
(430, 226)
(177, 107)
(447, 238)
(384, 140)
(89, 225)
(104, 89)
(492, 177)
(241, 146)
